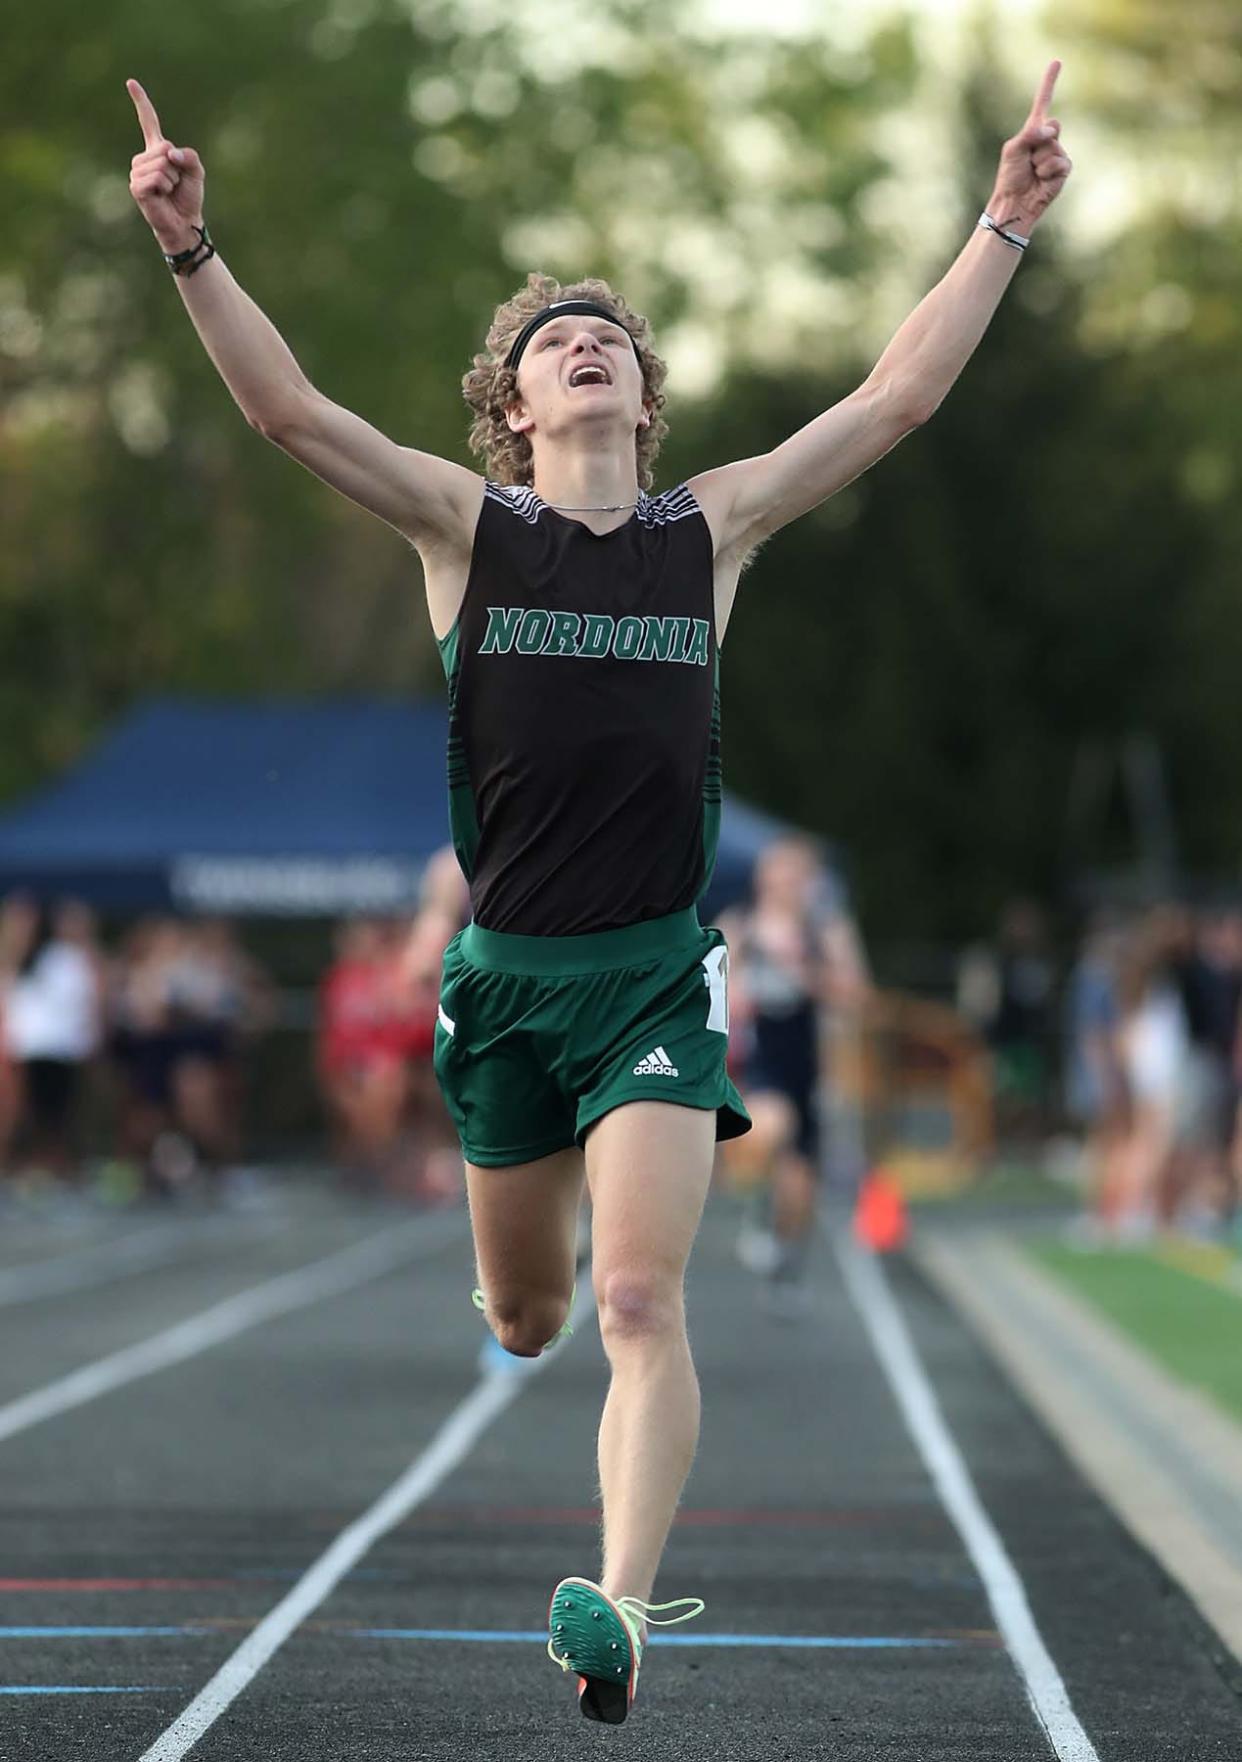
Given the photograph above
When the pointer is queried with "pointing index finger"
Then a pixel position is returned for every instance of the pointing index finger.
(1043, 97)
(148, 121)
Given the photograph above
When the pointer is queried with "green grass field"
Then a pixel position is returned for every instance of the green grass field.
(1192, 1326)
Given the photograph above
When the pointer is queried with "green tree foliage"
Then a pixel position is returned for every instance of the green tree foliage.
(911, 669)
(915, 668)
(1161, 299)
(378, 177)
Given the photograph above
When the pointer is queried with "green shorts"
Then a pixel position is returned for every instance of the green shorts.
(540, 1036)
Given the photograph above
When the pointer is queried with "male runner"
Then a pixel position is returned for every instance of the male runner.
(791, 963)
(583, 1014)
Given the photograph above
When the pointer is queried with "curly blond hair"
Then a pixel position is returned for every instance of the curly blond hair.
(490, 387)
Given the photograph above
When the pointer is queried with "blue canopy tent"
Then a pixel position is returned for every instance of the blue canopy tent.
(297, 808)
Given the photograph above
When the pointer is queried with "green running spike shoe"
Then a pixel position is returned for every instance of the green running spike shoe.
(598, 1638)
(480, 1303)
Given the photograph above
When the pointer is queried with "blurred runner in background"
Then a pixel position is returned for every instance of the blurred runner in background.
(796, 957)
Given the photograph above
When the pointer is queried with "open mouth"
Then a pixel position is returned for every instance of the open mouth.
(589, 373)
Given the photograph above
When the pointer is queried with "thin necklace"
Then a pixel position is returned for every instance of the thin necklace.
(608, 507)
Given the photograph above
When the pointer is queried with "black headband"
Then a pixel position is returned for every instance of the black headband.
(561, 309)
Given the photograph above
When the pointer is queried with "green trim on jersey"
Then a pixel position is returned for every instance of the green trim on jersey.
(463, 812)
(712, 787)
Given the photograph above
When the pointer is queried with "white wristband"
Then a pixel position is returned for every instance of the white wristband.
(1011, 238)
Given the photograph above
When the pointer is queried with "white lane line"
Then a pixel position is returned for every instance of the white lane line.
(451, 1444)
(348, 1267)
(103, 1263)
(868, 1288)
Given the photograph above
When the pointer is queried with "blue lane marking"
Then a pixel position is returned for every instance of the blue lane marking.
(505, 1636)
(92, 1633)
(492, 1636)
(48, 1688)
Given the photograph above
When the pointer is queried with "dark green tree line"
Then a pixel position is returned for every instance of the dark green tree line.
(911, 670)
(369, 170)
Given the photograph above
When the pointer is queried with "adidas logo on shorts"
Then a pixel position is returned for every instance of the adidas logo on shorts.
(656, 1064)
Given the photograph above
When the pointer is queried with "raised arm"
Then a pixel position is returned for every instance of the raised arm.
(432, 501)
(747, 501)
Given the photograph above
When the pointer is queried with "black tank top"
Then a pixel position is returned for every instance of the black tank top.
(584, 716)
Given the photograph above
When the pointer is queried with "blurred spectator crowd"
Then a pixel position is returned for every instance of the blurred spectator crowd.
(148, 1048)
(161, 1024)
(151, 1045)
(1147, 1032)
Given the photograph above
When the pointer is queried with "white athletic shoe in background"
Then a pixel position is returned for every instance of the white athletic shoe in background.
(758, 1250)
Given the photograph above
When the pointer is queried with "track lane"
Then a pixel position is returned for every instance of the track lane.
(799, 1521)
(193, 1501)
(809, 1515)
(55, 1337)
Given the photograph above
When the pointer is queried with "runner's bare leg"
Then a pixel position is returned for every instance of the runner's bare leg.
(649, 1165)
(525, 1221)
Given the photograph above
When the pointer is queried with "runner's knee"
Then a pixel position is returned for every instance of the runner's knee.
(525, 1325)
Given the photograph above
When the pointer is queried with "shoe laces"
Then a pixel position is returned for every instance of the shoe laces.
(638, 1610)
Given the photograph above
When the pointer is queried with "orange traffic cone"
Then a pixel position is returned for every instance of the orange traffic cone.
(881, 1221)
